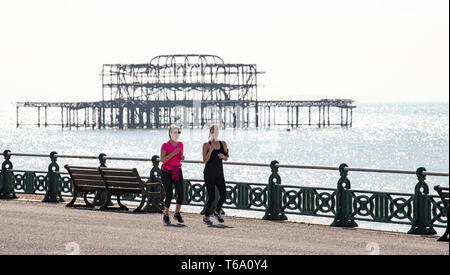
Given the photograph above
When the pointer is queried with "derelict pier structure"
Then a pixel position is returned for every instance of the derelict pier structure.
(191, 91)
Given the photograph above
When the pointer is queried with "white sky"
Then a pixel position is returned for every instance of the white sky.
(390, 50)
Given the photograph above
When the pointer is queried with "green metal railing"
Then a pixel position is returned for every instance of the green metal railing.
(420, 210)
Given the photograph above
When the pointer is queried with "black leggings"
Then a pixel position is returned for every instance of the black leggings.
(168, 183)
(211, 181)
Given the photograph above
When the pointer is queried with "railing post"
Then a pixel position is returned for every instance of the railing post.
(7, 178)
(242, 195)
(100, 197)
(444, 237)
(53, 187)
(274, 198)
(421, 223)
(343, 212)
(154, 205)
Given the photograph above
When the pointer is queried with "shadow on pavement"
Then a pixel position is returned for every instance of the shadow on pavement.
(221, 226)
(175, 225)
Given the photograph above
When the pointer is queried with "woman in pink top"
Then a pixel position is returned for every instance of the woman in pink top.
(171, 174)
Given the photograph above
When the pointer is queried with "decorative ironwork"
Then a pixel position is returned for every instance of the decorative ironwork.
(420, 210)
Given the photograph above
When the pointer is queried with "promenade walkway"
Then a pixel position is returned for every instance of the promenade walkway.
(32, 227)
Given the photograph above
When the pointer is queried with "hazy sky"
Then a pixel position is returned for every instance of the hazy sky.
(391, 50)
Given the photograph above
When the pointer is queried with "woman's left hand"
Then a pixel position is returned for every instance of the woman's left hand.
(182, 157)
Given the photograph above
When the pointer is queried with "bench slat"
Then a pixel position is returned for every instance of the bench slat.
(121, 179)
(119, 174)
(123, 184)
(83, 182)
(87, 177)
(124, 190)
(116, 169)
(84, 172)
(83, 188)
(82, 167)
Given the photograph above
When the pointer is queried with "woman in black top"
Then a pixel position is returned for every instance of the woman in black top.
(214, 151)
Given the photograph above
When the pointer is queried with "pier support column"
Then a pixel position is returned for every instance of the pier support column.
(220, 122)
(69, 117)
(39, 116)
(94, 122)
(202, 112)
(141, 118)
(120, 117)
(323, 117)
(328, 111)
(292, 116)
(256, 115)
(87, 116)
(99, 121)
(351, 117)
(248, 116)
(147, 117)
(132, 117)
(287, 116)
(157, 124)
(17, 116)
(309, 115)
(225, 109)
(103, 116)
(112, 117)
(76, 115)
(346, 117)
(45, 112)
(319, 115)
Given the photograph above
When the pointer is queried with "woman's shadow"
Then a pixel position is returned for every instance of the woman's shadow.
(175, 225)
(220, 226)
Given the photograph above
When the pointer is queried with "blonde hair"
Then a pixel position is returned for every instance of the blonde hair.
(210, 129)
(173, 126)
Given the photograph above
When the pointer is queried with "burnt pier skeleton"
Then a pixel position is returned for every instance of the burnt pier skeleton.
(192, 91)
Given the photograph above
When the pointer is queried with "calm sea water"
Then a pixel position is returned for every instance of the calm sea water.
(387, 136)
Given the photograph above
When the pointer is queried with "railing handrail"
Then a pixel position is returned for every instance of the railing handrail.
(315, 167)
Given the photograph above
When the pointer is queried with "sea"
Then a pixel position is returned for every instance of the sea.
(390, 135)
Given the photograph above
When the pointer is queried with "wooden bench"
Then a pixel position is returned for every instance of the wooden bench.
(443, 193)
(84, 180)
(113, 181)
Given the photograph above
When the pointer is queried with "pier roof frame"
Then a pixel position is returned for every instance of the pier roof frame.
(190, 76)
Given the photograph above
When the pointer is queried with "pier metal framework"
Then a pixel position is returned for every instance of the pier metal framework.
(191, 91)
(180, 77)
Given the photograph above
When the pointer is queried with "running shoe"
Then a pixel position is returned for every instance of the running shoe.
(207, 221)
(218, 217)
(166, 219)
(177, 216)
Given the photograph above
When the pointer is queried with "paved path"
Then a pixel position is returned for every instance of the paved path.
(29, 227)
